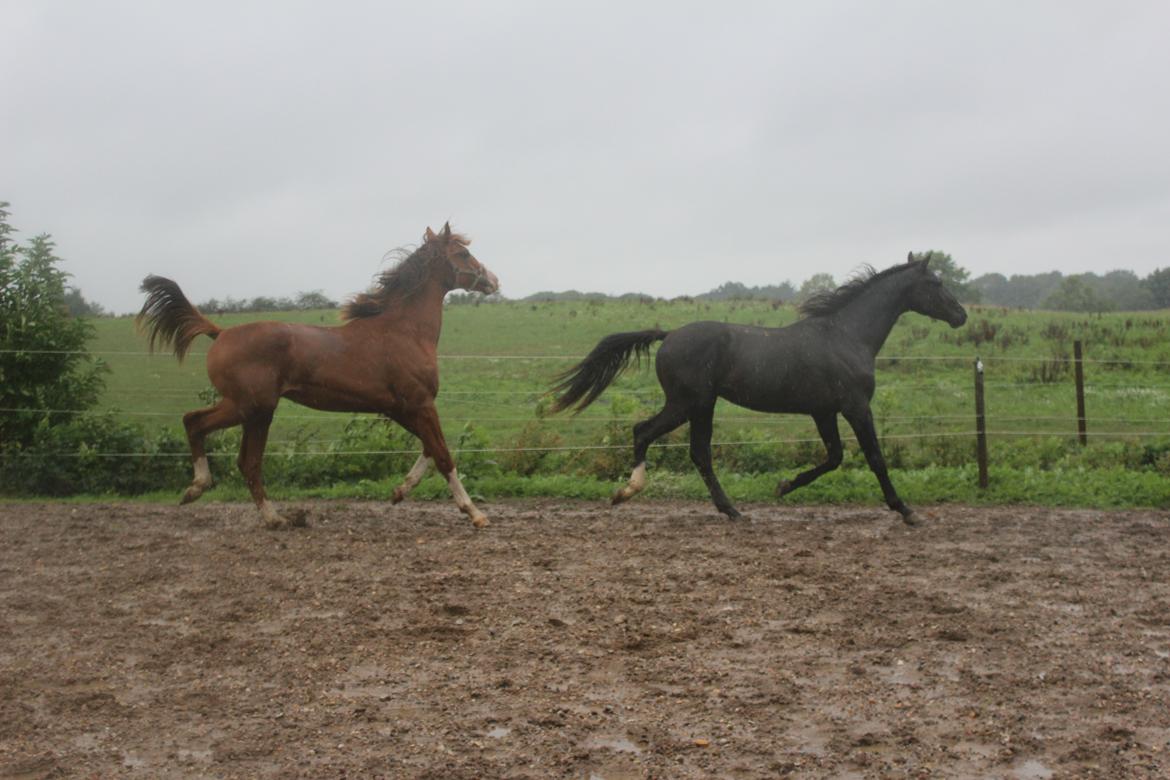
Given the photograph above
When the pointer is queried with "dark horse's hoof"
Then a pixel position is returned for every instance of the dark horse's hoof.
(732, 513)
(910, 518)
(784, 488)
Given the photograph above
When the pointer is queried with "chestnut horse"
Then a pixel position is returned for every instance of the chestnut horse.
(383, 360)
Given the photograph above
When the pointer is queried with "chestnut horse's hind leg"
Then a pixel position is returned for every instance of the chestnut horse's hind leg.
(412, 478)
(425, 424)
(250, 463)
(199, 423)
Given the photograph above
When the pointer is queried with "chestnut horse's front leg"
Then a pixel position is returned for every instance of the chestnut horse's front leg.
(412, 478)
(424, 423)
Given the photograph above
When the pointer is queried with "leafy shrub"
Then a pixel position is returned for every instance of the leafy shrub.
(92, 454)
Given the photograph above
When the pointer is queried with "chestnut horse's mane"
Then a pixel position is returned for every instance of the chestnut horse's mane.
(402, 281)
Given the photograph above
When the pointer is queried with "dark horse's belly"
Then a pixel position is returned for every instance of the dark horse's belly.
(780, 370)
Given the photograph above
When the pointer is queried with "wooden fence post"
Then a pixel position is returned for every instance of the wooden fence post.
(1079, 371)
(980, 425)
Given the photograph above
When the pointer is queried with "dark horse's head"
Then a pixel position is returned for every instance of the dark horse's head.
(464, 272)
(927, 295)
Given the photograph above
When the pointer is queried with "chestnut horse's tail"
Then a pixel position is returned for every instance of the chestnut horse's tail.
(168, 317)
(581, 384)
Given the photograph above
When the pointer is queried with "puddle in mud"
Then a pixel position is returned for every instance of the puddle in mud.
(1031, 770)
(616, 744)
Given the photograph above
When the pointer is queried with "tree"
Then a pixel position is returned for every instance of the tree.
(1075, 294)
(78, 306)
(1122, 290)
(740, 291)
(814, 284)
(44, 367)
(1158, 283)
(314, 299)
(953, 275)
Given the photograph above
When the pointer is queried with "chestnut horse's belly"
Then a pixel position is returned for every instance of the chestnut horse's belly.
(333, 399)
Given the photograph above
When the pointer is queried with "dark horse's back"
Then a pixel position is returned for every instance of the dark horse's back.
(789, 369)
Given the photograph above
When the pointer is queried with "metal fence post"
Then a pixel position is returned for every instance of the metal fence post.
(1079, 371)
(980, 425)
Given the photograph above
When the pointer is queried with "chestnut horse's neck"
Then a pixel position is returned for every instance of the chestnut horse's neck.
(420, 313)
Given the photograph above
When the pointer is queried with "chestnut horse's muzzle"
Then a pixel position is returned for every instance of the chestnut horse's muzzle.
(486, 283)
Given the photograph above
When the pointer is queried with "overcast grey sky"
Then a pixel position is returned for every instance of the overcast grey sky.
(266, 148)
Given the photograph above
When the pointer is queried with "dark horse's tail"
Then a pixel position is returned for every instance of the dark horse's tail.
(168, 317)
(581, 384)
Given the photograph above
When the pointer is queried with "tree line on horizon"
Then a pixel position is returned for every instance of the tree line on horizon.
(1117, 290)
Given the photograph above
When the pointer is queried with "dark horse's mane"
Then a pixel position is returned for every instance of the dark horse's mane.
(826, 302)
(402, 281)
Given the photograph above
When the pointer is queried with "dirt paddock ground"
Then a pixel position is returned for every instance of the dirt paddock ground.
(572, 640)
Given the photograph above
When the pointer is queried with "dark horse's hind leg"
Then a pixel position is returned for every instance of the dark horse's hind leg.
(198, 424)
(645, 434)
(701, 429)
(862, 423)
(827, 428)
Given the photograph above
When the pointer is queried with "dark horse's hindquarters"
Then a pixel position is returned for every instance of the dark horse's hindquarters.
(821, 365)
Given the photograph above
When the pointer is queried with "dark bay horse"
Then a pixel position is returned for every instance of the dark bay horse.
(821, 365)
(382, 360)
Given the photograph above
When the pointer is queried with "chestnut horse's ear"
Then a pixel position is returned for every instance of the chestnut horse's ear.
(446, 232)
(429, 235)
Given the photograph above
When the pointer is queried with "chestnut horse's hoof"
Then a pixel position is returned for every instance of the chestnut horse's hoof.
(193, 492)
(480, 521)
(622, 495)
(397, 496)
(272, 519)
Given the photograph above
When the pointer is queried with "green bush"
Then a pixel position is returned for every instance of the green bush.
(94, 455)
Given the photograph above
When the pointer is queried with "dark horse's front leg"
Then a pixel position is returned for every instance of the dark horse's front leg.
(862, 423)
(827, 427)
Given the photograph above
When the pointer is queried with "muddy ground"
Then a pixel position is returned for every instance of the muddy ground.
(572, 640)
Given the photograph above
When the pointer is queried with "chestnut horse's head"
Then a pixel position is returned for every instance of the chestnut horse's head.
(466, 273)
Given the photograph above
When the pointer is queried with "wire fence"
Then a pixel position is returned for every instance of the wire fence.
(505, 401)
(966, 359)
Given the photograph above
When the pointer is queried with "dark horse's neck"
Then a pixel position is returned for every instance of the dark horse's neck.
(871, 316)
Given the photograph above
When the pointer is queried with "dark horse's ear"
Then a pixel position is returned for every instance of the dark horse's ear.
(925, 259)
(429, 235)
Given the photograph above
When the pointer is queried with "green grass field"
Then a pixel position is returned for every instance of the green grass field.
(498, 359)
